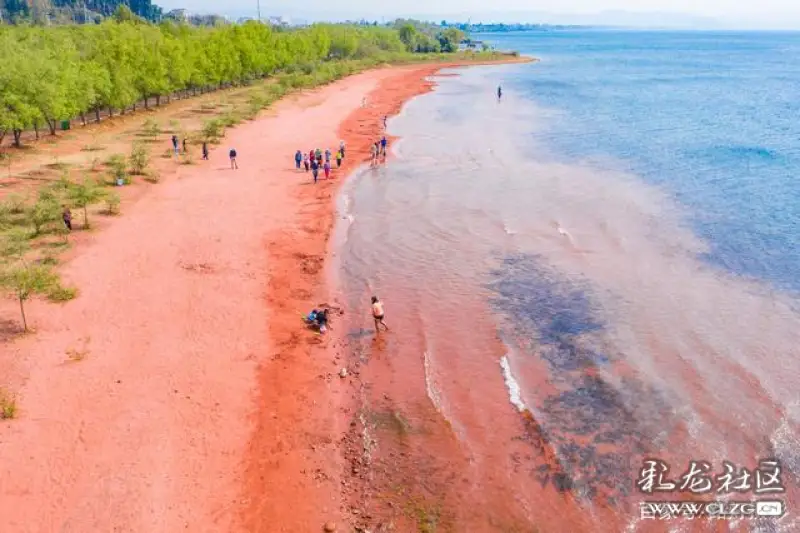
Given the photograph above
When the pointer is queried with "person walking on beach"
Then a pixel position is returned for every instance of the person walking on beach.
(341, 148)
(66, 215)
(384, 142)
(306, 162)
(327, 155)
(339, 157)
(314, 169)
(327, 168)
(373, 149)
(298, 158)
(377, 314)
(318, 154)
(205, 150)
(175, 144)
(232, 155)
(385, 118)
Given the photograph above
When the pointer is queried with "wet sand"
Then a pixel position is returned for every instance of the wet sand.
(180, 391)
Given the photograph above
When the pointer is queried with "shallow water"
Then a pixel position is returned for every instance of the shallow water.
(598, 269)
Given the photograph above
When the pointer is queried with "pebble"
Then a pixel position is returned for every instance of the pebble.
(343, 373)
(330, 527)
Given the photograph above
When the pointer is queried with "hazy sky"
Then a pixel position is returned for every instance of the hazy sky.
(742, 13)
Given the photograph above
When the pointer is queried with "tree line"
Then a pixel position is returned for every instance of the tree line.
(57, 73)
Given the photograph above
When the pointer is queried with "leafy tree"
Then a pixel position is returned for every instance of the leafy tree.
(45, 211)
(139, 159)
(24, 280)
(85, 194)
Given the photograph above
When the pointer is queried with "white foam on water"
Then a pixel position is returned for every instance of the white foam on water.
(433, 393)
(514, 390)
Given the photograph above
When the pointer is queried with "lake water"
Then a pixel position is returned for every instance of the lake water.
(600, 268)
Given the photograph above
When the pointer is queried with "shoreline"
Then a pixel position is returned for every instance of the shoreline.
(200, 402)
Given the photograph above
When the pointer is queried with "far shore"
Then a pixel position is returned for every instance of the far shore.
(180, 390)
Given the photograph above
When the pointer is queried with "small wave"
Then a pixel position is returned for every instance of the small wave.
(514, 390)
(430, 387)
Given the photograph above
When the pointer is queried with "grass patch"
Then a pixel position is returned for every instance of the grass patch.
(152, 177)
(60, 294)
(8, 406)
(92, 148)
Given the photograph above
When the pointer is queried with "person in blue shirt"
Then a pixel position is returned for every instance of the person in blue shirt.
(298, 159)
(384, 142)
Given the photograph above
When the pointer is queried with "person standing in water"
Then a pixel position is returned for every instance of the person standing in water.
(378, 314)
(373, 149)
(232, 155)
(298, 159)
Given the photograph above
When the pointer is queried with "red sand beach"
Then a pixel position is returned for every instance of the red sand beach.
(199, 402)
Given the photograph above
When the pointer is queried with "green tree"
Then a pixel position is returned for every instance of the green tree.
(44, 212)
(25, 280)
(85, 194)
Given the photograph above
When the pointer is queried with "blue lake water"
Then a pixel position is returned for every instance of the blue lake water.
(710, 117)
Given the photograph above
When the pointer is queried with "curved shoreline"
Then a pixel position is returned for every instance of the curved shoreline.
(199, 402)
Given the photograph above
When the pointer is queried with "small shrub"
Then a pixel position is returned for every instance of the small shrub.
(59, 293)
(16, 204)
(139, 159)
(43, 213)
(112, 203)
(49, 260)
(174, 126)
(151, 129)
(8, 406)
(119, 168)
(213, 130)
(187, 159)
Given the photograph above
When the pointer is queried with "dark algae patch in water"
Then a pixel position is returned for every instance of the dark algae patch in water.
(588, 433)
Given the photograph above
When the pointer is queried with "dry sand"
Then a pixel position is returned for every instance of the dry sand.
(180, 391)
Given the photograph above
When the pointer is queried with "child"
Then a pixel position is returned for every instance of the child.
(232, 155)
(327, 169)
(306, 162)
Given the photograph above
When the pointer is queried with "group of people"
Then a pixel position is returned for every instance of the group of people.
(176, 145)
(316, 159)
(320, 318)
(378, 151)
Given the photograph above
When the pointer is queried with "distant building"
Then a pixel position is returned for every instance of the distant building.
(179, 15)
(278, 21)
(469, 44)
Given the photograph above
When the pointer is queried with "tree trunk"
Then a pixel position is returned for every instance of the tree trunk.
(17, 136)
(145, 102)
(110, 112)
(83, 118)
(36, 130)
(2, 136)
(85, 218)
(158, 100)
(97, 114)
(134, 105)
(52, 124)
(24, 320)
